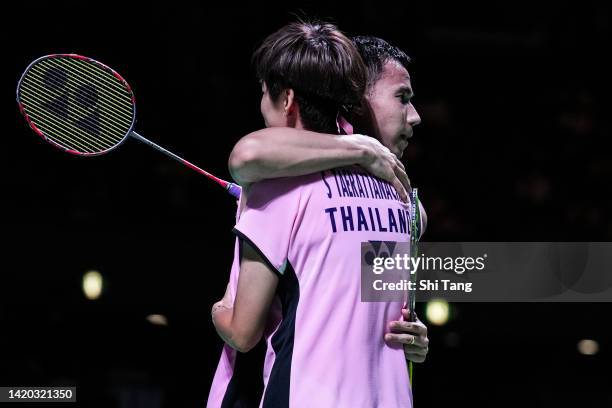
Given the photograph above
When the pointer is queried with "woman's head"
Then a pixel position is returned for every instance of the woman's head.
(309, 70)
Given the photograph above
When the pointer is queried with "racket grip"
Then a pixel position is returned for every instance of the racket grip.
(413, 316)
(234, 189)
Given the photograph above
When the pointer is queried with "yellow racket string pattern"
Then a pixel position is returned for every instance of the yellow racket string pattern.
(76, 103)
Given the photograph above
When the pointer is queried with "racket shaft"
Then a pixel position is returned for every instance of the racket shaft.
(414, 252)
(230, 187)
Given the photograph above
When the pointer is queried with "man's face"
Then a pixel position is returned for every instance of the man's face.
(393, 113)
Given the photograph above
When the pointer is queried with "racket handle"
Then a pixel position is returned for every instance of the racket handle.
(413, 316)
(234, 189)
(231, 188)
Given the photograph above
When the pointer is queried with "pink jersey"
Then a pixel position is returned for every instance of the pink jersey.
(325, 348)
(238, 380)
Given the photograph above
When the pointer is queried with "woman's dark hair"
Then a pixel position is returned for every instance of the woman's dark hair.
(320, 64)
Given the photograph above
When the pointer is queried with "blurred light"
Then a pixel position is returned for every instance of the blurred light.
(588, 347)
(437, 311)
(157, 319)
(92, 285)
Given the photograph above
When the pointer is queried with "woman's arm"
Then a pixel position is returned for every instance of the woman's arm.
(242, 325)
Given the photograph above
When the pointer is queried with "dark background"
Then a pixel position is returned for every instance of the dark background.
(514, 103)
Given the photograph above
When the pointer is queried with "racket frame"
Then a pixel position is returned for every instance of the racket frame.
(33, 126)
(230, 187)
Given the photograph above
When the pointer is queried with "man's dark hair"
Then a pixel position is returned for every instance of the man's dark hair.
(320, 64)
(375, 53)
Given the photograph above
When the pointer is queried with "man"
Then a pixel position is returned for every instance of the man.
(298, 92)
(388, 116)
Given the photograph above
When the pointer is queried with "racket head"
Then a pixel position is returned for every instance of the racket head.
(76, 104)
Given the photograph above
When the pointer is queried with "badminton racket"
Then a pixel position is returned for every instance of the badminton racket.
(415, 233)
(85, 108)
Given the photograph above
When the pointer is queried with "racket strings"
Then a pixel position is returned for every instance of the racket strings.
(77, 104)
(46, 102)
(50, 126)
(117, 90)
(63, 129)
(98, 74)
(75, 89)
(122, 102)
(86, 69)
(50, 98)
(86, 121)
(59, 131)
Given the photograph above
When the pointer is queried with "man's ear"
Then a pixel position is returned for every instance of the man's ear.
(363, 118)
(289, 103)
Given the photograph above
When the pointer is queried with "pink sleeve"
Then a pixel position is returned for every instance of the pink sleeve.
(268, 219)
